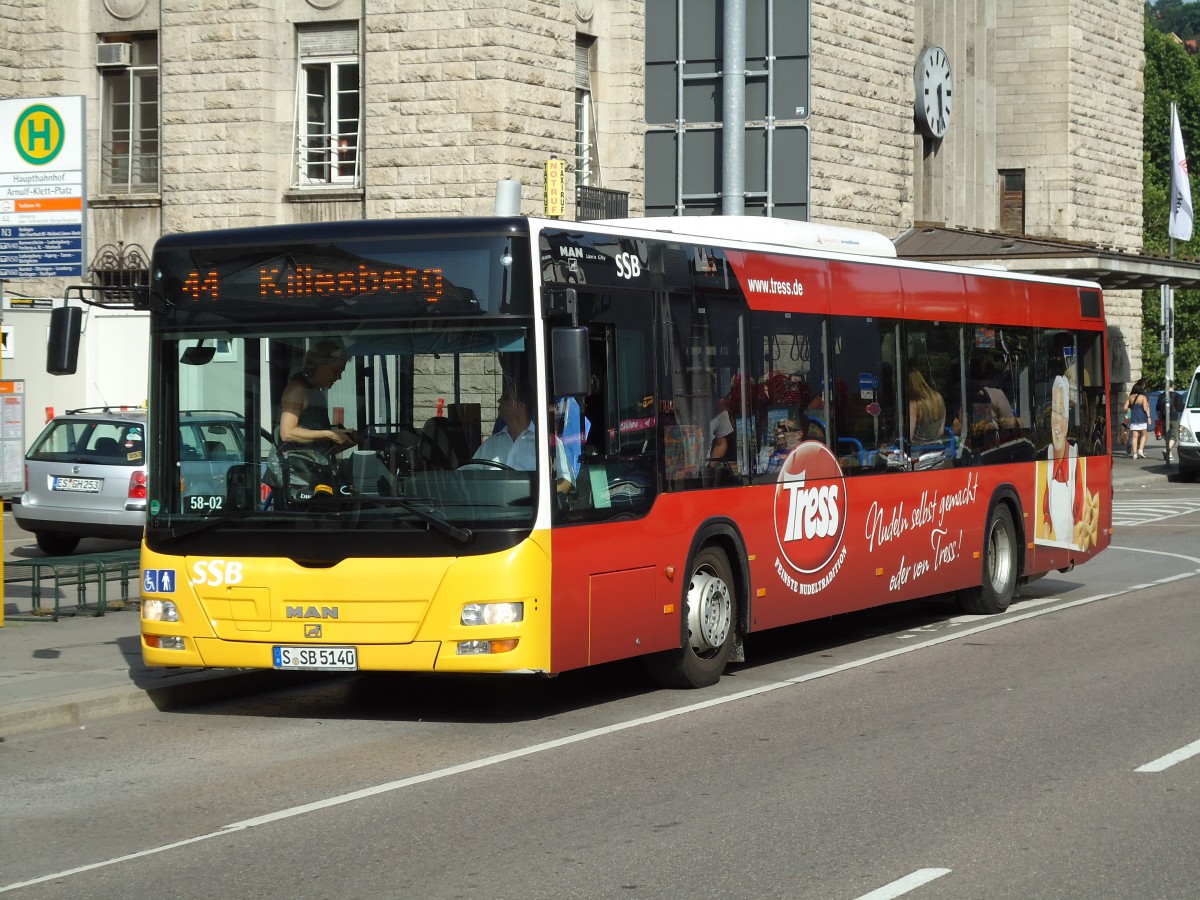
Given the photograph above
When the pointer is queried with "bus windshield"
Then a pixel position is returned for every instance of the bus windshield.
(377, 428)
(365, 367)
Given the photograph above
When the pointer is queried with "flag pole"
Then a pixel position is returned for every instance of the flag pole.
(1179, 225)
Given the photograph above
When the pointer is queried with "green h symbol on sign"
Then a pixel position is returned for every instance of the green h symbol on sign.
(39, 134)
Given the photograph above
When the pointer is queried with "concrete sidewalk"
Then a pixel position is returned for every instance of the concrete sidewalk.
(83, 667)
(1151, 472)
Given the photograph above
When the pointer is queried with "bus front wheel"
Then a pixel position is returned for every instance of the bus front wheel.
(710, 619)
(999, 566)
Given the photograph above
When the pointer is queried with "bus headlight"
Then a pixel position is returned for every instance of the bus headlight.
(159, 610)
(492, 613)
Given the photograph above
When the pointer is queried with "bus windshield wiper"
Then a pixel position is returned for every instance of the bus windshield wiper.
(175, 532)
(462, 535)
(445, 526)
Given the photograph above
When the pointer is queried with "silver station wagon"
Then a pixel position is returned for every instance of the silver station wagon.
(85, 475)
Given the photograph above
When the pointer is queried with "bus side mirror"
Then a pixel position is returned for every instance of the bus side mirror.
(570, 365)
(62, 348)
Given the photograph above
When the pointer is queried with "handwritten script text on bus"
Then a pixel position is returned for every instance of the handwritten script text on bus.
(307, 282)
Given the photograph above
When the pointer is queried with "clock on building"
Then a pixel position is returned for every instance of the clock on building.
(934, 82)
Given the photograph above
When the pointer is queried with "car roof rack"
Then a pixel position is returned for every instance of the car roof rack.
(123, 408)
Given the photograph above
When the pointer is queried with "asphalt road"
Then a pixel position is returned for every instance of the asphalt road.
(904, 752)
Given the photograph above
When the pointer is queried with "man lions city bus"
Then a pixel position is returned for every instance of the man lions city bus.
(536, 445)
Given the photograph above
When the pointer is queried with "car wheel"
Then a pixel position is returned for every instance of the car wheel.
(54, 544)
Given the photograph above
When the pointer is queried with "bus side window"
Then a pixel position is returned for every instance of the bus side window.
(784, 388)
(612, 436)
(704, 428)
(1091, 369)
(933, 399)
(866, 424)
(1001, 397)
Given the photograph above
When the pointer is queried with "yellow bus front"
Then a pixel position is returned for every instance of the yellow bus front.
(485, 613)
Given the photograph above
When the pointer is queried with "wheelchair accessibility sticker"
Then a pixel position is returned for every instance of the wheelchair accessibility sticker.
(158, 581)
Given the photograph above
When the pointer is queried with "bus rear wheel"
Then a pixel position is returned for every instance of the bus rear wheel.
(710, 617)
(999, 567)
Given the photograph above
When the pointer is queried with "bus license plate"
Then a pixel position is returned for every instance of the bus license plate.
(324, 659)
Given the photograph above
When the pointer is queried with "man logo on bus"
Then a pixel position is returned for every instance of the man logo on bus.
(810, 507)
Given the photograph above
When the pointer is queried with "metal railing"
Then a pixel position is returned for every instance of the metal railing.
(600, 203)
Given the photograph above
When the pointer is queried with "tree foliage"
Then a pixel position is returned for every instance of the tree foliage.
(1181, 17)
(1171, 75)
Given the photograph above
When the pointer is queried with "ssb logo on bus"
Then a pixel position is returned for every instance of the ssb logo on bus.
(810, 507)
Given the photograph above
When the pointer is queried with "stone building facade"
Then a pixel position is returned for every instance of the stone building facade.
(456, 95)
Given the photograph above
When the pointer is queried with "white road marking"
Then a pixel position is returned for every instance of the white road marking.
(903, 885)
(497, 759)
(1145, 512)
(1176, 756)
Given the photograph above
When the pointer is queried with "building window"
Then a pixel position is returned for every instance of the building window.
(120, 271)
(686, 119)
(587, 171)
(1012, 201)
(129, 142)
(328, 128)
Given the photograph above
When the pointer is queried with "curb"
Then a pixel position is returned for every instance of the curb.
(1145, 478)
(85, 707)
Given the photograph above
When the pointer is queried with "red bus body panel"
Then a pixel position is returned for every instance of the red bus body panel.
(906, 535)
(619, 588)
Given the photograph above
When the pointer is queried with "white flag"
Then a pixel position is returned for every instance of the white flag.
(1181, 189)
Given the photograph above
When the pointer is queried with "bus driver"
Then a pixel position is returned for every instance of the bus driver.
(515, 445)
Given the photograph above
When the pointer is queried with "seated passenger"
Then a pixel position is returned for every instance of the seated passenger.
(926, 411)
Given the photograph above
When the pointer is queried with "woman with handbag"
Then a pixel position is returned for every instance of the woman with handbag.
(1138, 406)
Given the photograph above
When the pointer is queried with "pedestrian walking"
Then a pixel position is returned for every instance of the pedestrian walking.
(1172, 428)
(1138, 407)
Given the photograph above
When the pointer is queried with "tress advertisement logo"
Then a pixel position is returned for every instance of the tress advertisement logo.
(810, 518)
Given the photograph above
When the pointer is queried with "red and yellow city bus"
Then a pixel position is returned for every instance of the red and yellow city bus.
(571, 443)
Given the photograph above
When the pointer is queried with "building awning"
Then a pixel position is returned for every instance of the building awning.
(1112, 269)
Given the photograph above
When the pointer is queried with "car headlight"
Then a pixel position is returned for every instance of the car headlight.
(493, 613)
(1186, 436)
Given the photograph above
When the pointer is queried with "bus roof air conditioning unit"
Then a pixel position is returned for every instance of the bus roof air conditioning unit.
(112, 55)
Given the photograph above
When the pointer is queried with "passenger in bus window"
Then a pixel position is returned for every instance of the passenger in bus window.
(304, 406)
(571, 427)
(515, 445)
(991, 414)
(722, 452)
(926, 411)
